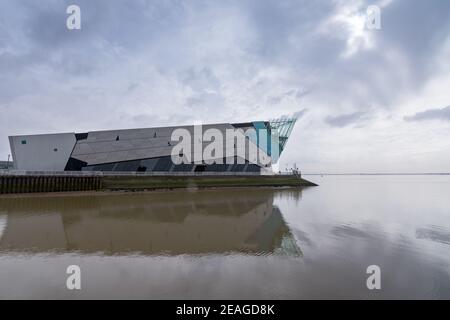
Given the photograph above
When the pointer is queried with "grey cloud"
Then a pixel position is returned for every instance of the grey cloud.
(201, 79)
(300, 114)
(145, 120)
(277, 22)
(431, 114)
(133, 86)
(207, 101)
(291, 40)
(418, 29)
(436, 234)
(275, 100)
(293, 93)
(345, 119)
(106, 25)
(284, 34)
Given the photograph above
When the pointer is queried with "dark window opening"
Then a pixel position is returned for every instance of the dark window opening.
(200, 168)
(75, 165)
(183, 167)
(81, 136)
(163, 165)
(117, 139)
(24, 141)
(56, 149)
(141, 169)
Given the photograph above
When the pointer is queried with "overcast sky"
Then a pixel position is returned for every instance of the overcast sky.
(370, 100)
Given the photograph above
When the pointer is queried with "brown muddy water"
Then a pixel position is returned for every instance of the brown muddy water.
(259, 243)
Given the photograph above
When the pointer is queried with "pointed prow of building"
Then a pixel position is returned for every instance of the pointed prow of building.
(283, 127)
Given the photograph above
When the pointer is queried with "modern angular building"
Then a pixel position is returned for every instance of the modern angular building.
(150, 149)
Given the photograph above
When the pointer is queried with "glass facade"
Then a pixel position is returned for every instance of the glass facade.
(283, 127)
(271, 136)
(165, 164)
(268, 136)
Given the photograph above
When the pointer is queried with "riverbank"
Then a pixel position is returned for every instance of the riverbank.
(175, 182)
(66, 182)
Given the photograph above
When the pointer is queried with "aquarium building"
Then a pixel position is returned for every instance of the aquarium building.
(144, 150)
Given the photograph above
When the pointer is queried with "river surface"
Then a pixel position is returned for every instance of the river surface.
(260, 243)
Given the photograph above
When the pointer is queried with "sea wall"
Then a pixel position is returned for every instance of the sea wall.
(37, 182)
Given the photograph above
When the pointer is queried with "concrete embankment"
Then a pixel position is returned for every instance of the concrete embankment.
(164, 182)
(36, 182)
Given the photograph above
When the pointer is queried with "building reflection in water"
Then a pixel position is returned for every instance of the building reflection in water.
(173, 223)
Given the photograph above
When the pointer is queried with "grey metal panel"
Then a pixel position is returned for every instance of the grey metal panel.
(103, 146)
(104, 151)
(83, 148)
(102, 135)
(121, 145)
(161, 132)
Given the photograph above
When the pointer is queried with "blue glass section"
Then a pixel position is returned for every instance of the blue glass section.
(263, 138)
(284, 128)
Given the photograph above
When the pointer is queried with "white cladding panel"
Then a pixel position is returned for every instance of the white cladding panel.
(48, 152)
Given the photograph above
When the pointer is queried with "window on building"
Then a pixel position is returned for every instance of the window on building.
(24, 141)
(141, 169)
(200, 168)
